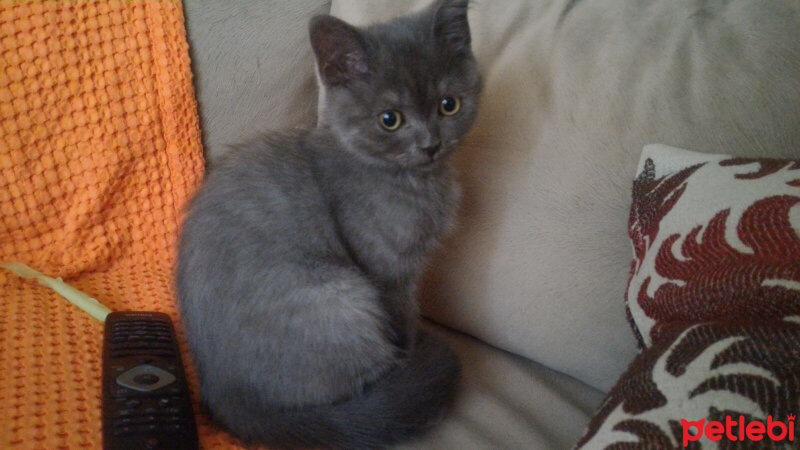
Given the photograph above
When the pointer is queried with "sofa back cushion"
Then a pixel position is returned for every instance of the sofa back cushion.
(573, 91)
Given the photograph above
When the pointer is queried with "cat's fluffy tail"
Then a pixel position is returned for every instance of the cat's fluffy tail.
(405, 402)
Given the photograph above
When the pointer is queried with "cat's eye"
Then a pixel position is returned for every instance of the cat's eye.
(449, 105)
(391, 120)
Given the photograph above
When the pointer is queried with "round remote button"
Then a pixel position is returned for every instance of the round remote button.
(146, 379)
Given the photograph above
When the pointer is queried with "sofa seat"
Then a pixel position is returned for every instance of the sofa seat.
(509, 402)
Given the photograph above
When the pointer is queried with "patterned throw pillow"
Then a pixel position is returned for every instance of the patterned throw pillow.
(714, 237)
(734, 374)
(714, 298)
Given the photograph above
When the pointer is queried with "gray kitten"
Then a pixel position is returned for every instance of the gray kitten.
(300, 255)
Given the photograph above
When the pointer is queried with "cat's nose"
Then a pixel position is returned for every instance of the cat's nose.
(432, 150)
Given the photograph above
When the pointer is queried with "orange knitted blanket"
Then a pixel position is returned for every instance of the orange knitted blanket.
(99, 152)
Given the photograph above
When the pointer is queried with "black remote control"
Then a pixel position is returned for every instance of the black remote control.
(146, 402)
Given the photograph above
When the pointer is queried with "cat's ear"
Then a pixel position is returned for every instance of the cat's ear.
(340, 50)
(450, 24)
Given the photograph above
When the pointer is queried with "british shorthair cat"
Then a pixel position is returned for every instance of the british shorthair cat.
(300, 255)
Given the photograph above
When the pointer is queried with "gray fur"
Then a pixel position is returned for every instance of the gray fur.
(300, 255)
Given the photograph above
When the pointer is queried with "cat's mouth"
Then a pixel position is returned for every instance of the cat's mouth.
(418, 160)
(435, 160)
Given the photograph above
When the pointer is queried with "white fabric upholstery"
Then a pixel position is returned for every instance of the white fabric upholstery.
(508, 402)
(540, 261)
(253, 67)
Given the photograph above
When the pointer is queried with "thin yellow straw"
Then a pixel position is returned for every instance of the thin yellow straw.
(76, 297)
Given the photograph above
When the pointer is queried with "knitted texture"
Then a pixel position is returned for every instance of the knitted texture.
(99, 152)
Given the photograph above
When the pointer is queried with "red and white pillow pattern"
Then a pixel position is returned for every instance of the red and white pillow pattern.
(714, 299)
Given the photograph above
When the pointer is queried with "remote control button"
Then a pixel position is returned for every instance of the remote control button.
(146, 379)
(126, 353)
(148, 428)
(133, 404)
(163, 401)
(121, 431)
(142, 346)
(140, 429)
(121, 422)
(123, 413)
(151, 443)
(119, 391)
(144, 420)
(176, 428)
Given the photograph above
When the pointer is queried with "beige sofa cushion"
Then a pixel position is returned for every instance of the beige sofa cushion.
(508, 402)
(253, 67)
(573, 92)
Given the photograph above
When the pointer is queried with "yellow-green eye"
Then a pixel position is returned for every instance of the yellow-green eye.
(390, 120)
(449, 105)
